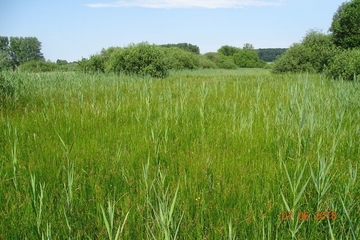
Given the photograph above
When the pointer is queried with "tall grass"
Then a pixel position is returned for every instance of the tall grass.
(202, 154)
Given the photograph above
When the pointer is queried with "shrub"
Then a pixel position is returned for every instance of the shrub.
(115, 61)
(177, 58)
(296, 59)
(345, 26)
(5, 61)
(345, 65)
(227, 63)
(205, 62)
(184, 46)
(82, 65)
(38, 66)
(143, 59)
(69, 67)
(213, 56)
(7, 89)
(311, 55)
(96, 63)
(247, 58)
(221, 61)
(228, 50)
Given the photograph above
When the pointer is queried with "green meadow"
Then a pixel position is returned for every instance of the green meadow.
(203, 154)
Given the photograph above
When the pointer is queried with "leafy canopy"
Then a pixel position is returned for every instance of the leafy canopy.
(345, 27)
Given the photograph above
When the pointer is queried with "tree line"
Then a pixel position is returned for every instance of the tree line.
(15, 51)
(336, 54)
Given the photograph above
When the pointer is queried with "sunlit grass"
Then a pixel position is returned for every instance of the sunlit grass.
(208, 154)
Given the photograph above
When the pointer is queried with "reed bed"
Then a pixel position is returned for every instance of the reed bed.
(204, 154)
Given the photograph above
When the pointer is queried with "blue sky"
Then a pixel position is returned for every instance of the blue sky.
(72, 29)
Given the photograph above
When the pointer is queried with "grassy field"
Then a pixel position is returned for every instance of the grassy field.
(208, 154)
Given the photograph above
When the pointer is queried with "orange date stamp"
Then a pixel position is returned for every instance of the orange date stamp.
(305, 216)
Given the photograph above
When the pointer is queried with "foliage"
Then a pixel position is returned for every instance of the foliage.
(24, 49)
(96, 63)
(270, 54)
(227, 50)
(15, 51)
(69, 67)
(227, 63)
(205, 62)
(177, 58)
(82, 65)
(91, 154)
(114, 60)
(106, 53)
(213, 56)
(296, 59)
(61, 62)
(142, 59)
(185, 46)
(345, 26)
(221, 61)
(7, 89)
(345, 65)
(38, 66)
(311, 55)
(248, 58)
(248, 46)
(5, 60)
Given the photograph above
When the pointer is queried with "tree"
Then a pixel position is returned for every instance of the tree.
(345, 27)
(4, 53)
(247, 58)
(345, 65)
(184, 46)
(61, 62)
(270, 54)
(221, 61)
(248, 46)
(177, 58)
(312, 55)
(141, 59)
(24, 49)
(227, 50)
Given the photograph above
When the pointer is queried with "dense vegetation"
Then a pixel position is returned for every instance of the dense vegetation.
(335, 54)
(15, 51)
(103, 148)
(184, 46)
(270, 54)
(345, 27)
(205, 154)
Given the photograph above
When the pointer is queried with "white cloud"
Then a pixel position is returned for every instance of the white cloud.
(187, 3)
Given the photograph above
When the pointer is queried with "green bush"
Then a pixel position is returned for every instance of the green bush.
(221, 61)
(205, 62)
(296, 59)
(184, 46)
(345, 27)
(7, 89)
(247, 58)
(177, 58)
(213, 56)
(345, 65)
(311, 55)
(142, 59)
(69, 67)
(5, 61)
(227, 63)
(228, 50)
(96, 64)
(115, 61)
(38, 66)
(82, 65)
